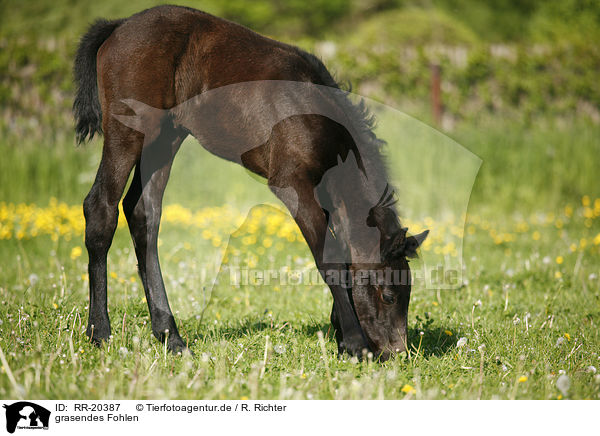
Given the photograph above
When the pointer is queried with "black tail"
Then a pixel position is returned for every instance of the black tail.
(86, 107)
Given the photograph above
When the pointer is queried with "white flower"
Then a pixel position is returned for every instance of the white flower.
(559, 341)
(563, 384)
(461, 342)
(546, 260)
(279, 349)
(33, 279)
(591, 369)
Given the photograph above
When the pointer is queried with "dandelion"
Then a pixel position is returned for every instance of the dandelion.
(75, 252)
(461, 342)
(33, 279)
(563, 384)
(448, 332)
(546, 260)
(522, 379)
(559, 260)
(536, 236)
(568, 210)
(408, 389)
(557, 275)
(568, 336)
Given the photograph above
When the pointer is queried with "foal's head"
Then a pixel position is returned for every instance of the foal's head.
(381, 290)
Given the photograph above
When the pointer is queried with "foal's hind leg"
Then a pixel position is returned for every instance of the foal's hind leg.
(142, 206)
(100, 209)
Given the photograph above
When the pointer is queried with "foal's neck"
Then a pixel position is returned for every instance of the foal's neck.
(354, 194)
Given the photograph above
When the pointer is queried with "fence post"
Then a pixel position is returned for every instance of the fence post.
(436, 94)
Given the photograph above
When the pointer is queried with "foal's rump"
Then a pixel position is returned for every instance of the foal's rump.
(179, 53)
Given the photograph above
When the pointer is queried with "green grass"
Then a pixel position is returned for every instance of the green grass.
(535, 316)
(530, 300)
(258, 342)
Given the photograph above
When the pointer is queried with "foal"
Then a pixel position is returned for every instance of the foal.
(250, 100)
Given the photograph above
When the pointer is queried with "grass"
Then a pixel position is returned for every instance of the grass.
(525, 314)
(527, 309)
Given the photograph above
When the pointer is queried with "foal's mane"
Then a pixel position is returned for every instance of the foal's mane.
(361, 118)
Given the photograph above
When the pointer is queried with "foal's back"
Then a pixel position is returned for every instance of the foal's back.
(168, 54)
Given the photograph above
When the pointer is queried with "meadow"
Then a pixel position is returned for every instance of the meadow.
(522, 324)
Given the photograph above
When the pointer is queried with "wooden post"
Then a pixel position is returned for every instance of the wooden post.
(436, 94)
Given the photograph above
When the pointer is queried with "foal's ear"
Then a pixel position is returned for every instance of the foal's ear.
(414, 242)
(401, 246)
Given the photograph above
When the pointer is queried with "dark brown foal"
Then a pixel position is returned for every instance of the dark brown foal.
(170, 71)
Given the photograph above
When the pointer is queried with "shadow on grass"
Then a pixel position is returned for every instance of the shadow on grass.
(433, 342)
(251, 326)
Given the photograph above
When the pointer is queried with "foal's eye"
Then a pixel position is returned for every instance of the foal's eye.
(388, 297)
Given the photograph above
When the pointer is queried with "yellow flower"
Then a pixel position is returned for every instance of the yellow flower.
(585, 200)
(113, 275)
(557, 275)
(597, 239)
(536, 236)
(559, 260)
(568, 336)
(75, 252)
(407, 389)
(448, 332)
(522, 379)
(244, 398)
(568, 210)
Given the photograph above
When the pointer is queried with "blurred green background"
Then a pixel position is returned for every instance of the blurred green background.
(519, 84)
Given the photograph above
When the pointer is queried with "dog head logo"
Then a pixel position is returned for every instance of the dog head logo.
(26, 415)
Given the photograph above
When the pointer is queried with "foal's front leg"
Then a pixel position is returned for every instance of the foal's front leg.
(313, 224)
